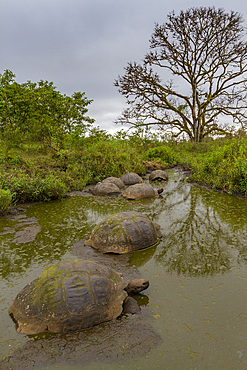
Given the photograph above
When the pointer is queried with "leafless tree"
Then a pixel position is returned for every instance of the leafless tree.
(205, 52)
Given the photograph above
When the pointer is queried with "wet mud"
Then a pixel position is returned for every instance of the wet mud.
(118, 340)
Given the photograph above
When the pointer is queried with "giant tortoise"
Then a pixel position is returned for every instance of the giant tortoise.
(106, 189)
(72, 295)
(115, 180)
(131, 178)
(140, 191)
(124, 232)
(158, 175)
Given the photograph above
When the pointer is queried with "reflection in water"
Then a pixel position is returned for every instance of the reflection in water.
(204, 232)
(196, 240)
(61, 224)
(142, 257)
(201, 232)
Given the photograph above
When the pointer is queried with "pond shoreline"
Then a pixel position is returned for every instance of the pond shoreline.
(86, 191)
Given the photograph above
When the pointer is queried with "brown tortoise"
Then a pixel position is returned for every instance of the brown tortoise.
(73, 295)
(106, 189)
(124, 232)
(140, 191)
(115, 180)
(131, 178)
(159, 175)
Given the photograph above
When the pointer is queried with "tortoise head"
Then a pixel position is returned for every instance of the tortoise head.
(136, 286)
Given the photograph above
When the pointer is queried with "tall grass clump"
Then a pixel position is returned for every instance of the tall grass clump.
(101, 158)
(5, 200)
(225, 168)
(162, 153)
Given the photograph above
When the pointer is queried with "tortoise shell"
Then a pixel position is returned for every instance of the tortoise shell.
(70, 295)
(115, 180)
(158, 175)
(131, 178)
(106, 189)
(140, 191)
(124, 232)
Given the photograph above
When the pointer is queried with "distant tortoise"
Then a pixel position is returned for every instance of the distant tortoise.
(140, 191)
(73, 295)
(115, 180)
(158, 175)
(131, 178)
(124, 232)
(106, 189)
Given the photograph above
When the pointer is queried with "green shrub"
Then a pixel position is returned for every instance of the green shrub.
(77, 176)
(31, 189)
(225, 168)
(52, 187)
(163, 153)
(103, 158)
(5, 200)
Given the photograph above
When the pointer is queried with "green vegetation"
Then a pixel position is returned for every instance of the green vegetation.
(34, 172)
(37, 112)
(162, 153)
(5, 200)
(30, 189)
(31, 172)
(225, 168)
(48, 147)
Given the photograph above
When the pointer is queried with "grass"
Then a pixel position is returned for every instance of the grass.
(5, 201)
(30, 172)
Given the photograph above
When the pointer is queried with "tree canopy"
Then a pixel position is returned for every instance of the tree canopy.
(39, 112)
(204, 52)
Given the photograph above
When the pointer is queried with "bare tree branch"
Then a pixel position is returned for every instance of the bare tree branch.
(205, 51)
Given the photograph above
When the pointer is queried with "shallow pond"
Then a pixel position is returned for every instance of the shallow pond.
(193, 315)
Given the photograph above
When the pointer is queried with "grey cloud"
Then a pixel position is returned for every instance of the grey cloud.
(82, 45)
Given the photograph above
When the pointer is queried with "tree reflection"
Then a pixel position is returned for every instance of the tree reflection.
(196, 240)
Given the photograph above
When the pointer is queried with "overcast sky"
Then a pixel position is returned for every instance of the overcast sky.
(83, 45)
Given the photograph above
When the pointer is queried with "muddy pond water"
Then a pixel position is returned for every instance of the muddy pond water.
(194, 313)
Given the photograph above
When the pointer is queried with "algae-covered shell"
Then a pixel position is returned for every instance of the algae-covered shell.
(116, 181)
(140, 191)
(70, 295)
(124, 232)
(106, 189)
(131, 178)
(158, 175)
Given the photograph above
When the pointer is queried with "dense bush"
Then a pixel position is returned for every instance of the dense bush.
(102, 158)
(30, 189)
(164, 153)
(39, 112)
(224, 168)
